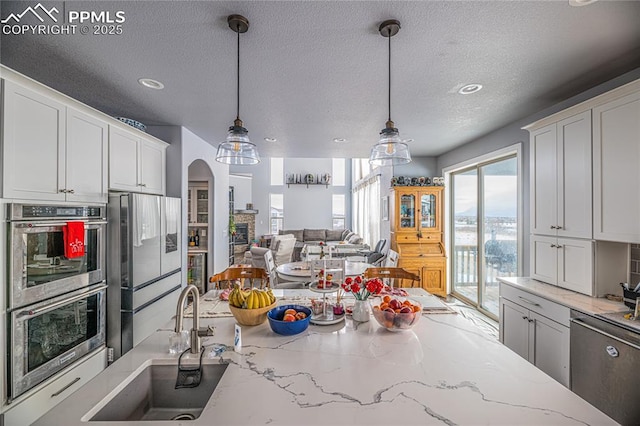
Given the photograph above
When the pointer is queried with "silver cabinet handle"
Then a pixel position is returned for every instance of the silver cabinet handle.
(71, 191)
(64, 388)
(64, 191)
(552, 227)
(559, 246)
(530, 320)
(50, 224)
(524, 299)
(142, 184)
(524, 317)
(52, 306)
(558, 227)
(581, 323)
(553, 246)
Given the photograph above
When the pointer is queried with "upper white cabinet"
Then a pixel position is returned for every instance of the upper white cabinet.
(561, 194)
(136, 163)
(51, 151)
(616, 168)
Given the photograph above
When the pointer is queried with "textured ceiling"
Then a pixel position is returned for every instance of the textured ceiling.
(312, 71)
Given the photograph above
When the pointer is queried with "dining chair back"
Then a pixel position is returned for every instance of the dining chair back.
(394, 275)
(241, 274)
(271, 268)
(334, 267)
(391, 261)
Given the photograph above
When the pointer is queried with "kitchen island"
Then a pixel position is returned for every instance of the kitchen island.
(443, 371)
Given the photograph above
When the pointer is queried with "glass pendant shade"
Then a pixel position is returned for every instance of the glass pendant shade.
(237, 149)
(390, 150)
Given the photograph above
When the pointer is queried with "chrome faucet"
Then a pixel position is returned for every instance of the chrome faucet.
(196, 333)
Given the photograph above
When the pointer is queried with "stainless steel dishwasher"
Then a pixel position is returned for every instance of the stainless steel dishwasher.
(605, 366)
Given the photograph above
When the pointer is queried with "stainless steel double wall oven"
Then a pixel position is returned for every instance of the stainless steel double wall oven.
(56, 305)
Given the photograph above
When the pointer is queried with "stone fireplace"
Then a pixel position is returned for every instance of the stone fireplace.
(240, 247)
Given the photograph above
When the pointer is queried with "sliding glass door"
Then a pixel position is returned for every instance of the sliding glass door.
(485, 230)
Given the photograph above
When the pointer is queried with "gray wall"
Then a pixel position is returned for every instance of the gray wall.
(304, 207)
(512, 134)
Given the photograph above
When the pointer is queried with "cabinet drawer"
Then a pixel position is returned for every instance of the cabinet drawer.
(37, 403)
(540, 305)
(420, 250)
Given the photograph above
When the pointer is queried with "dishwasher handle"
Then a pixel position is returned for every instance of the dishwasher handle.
(578, 321)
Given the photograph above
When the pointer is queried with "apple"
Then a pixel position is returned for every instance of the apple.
(290, 311)
(395, 304)
(289, 318)
(406, 310)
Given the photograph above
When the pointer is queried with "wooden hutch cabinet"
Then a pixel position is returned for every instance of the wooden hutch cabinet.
(417, 217)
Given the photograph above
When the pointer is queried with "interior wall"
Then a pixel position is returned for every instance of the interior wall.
(419, 166)
(242, 190)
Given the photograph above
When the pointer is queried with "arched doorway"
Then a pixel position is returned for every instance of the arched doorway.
(199, 217)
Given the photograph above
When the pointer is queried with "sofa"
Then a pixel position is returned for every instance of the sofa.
(315, 236)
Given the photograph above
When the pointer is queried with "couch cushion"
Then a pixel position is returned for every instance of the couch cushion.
(315, 234)
(355, 239)
(298, 233)
(334, 234)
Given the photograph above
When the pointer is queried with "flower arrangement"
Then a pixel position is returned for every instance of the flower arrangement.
(321, 250)
(362, 290)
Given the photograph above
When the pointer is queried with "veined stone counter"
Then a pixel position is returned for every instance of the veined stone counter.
(444, 371)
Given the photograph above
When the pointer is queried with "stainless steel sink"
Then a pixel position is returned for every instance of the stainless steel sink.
(151, 395)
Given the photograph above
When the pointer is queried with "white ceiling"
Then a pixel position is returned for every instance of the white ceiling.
(312, 71)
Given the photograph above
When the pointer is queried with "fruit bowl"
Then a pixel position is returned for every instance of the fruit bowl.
(288, 328)
(397, 318)
(251, 316)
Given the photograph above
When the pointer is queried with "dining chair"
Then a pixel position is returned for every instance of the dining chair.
(392, 274)
(333, 266)
(391, 261)
(234, 273)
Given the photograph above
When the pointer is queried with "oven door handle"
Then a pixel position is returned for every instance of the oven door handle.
(47, 308)
(48, 224)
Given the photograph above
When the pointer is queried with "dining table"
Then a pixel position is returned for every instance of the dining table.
(301, 271)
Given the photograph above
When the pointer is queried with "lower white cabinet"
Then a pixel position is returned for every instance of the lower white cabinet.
(590, 267)
(34, 404)
(537, 330)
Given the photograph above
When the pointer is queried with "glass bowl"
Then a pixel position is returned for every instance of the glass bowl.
(400, 317)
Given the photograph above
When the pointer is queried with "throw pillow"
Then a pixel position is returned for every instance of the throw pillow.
(344, 234)
(349, 234)
(355, 239)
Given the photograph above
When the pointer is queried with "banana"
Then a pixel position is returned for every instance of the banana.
(240, 298)
(233, 298)
(251, 300)
(264, 298)
(272, 298)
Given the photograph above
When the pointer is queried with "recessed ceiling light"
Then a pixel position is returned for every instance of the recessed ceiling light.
(151, 83)
(270, 139)
(470, 88)
(578, 3)
(339, 140)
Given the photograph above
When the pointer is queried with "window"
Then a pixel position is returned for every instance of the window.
(277, 171)
(338, 211)
(338, 170)
(361, 168)
(365, 202)
(276, 213)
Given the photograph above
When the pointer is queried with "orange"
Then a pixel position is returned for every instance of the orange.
(384, 306)
(386, 299)
(406, 303)
(416, 308)
(289, 318)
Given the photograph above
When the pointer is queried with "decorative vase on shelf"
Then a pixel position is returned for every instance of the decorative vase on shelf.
(360, 311)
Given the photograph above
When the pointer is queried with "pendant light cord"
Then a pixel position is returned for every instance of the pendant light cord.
(238, 83)
(389, 77)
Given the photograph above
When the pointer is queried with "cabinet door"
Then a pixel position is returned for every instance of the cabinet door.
(575, 265)
(152, 165)
(514, 327)
(433, 276)
(86, 171)
(551, 348)
(33, 152)
(406, 219)
(544, 259)
(616, 171)
(574, 181)
(123, 160)
(543, 187)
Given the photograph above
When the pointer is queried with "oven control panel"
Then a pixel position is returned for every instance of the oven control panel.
(24, 211)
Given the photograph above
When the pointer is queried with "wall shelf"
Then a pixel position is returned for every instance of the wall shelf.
(326, 185)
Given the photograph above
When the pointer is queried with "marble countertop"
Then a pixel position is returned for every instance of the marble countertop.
(443, 371)
(568, 298)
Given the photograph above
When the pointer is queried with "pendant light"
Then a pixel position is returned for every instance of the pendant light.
(390, 150)
(238, 149)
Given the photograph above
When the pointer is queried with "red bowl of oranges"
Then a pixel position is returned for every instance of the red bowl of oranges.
(397, 313)
(289, 319)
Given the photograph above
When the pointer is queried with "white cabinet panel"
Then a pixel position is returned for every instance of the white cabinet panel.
(544, 259)
(33, 145)
(543, 181)
(551, 348)
(514, 328)
(575, 265)
(616, 161)
(136, 164)
(86, 160)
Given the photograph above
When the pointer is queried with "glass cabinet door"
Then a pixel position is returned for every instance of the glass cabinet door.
(427, 211)
(189, 198)
(202, 206)
(407, 211)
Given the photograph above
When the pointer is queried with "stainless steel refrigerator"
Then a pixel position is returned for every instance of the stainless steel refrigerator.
(144, 258)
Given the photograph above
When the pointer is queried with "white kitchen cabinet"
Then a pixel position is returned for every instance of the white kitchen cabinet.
(537, 330)
(51, 152)
(136, 164)
(561, 193)
(616, 167)
(585, 266)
